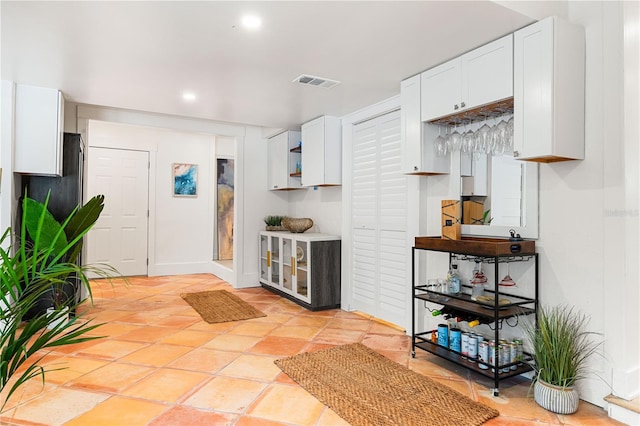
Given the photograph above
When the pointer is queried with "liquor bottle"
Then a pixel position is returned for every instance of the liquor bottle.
(453, 279)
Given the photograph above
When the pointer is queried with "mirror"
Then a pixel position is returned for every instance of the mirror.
(511, 198)
(505, 198)
(498, 193)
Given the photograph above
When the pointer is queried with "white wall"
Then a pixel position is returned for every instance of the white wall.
(172, 225)
(181, 229)
(323, 205)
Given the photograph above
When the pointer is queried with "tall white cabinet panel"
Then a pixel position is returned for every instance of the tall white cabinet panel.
(379, 202)
(487, 73)
(441, 90)
(417, 149)
(322, 152)
(549, 91)
(39, 128)
(477, 78)
(284, 157)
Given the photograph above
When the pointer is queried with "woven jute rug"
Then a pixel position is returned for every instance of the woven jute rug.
(221, 306)
(365, 388)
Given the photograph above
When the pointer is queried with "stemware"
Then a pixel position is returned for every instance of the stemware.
(440, 143)
(456, 140)
(507, 281)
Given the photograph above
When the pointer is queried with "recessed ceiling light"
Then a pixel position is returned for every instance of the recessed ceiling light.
(251, 22)
(189, 96)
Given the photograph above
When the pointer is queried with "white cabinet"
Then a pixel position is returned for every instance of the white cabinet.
(39, 128)
(305, 268)
(284, 161)
(322, 152)
(477, 78)
(441, 90)
(419, 156)
(549, 91)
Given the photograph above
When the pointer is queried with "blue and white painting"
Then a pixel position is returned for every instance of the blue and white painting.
(185, 180)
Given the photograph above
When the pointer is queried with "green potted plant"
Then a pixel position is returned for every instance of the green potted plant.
(41, 224)
(560, 349)
(274, 223)
(30, 269)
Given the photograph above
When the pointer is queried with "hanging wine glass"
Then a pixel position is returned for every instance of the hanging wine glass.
(440, 143)
(507, 281)
(456, 139)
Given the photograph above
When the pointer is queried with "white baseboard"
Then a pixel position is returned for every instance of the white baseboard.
(621, 414)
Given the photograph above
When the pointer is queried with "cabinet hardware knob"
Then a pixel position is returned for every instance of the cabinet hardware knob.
(415, 168)
(516, 153)
(462, 105)
(455, 106)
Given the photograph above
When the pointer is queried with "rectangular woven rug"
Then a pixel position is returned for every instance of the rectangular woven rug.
(365, 388)
(220, 306)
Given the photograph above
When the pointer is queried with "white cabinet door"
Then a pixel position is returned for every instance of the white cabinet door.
(322, 152)
(477, 78)
(417, 139)
(549, 91)
(39, 130)
(282, 161)
(440, 91)
(487, 73)
(277, 166)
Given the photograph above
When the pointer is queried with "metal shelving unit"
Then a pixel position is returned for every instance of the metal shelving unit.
(491, 251)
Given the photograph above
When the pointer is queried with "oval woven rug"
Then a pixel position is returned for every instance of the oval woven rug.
(365, 388)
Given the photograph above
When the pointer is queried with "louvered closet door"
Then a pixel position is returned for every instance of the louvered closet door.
(379, 220)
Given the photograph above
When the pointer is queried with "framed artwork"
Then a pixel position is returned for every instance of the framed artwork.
(224, 220)
(185, 180)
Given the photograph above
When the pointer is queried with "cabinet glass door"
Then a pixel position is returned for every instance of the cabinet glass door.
(275, 260)
(264, 258)
(302, 269)
(287, 264)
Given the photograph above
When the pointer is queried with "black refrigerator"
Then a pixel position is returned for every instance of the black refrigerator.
(66, 194)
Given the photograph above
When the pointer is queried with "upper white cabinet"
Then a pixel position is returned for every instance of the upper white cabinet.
(476, 78)
(418, 152)
(322, 152)
(39, 127)
(549, 91)
(284, 161)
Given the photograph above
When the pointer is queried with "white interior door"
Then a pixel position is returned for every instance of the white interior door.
(379, 219)
(119, 237)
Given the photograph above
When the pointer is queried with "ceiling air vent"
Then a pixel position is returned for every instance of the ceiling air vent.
(311, 80)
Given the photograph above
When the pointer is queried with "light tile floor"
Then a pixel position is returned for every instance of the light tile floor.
(160, 364)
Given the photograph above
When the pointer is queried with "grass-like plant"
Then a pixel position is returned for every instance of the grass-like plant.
(273, 220)
(561, 345)
(30, 269)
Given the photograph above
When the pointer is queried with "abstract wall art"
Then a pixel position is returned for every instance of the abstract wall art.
(185, 180)
(225, 208)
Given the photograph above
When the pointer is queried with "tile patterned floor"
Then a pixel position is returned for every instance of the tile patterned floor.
(162, 365)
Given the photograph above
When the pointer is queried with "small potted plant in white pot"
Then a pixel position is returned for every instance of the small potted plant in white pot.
(560, 349)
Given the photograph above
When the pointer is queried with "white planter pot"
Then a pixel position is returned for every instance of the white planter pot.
(556, 399)
(60, 319)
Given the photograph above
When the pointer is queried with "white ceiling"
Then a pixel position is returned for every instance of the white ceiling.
(144, 55)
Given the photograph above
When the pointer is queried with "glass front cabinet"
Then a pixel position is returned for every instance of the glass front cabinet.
(304, 268)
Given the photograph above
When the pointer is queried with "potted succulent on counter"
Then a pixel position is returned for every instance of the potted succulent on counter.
(274, 223)
(36, 267)
(561, 348)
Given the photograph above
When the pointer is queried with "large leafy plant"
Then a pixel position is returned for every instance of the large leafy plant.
(561, 345)
(42, 257)
(64, 241)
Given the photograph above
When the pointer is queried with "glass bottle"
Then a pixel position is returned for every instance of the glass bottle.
(453, 279)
